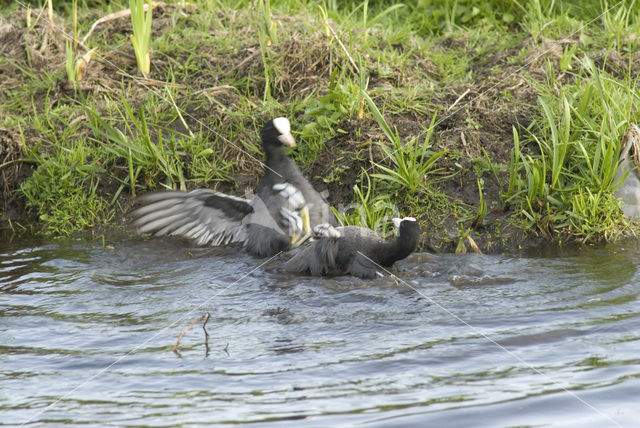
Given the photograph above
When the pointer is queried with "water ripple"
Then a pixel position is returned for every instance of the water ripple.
(86, 333)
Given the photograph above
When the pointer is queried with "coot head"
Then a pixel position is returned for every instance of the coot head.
(277, 133)
(407, 226)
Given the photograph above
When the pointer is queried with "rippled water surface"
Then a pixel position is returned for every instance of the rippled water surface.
(533, 339)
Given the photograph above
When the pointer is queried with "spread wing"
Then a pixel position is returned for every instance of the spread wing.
(203, 215)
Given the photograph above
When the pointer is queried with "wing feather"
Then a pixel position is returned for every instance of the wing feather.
(203, 215)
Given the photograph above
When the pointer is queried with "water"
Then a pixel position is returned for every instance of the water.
(533, 339)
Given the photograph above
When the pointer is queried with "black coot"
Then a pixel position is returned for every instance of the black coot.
(353, 250)
(282, 213)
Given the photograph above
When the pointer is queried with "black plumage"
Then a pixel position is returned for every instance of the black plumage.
(264, 224)
(281, 169)
(353, 250)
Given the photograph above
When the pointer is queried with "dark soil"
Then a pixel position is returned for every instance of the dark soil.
(12, 172)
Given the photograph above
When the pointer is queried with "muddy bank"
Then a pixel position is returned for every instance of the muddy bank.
(475, 117)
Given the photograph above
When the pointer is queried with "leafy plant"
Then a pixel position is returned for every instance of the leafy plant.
(367, 24)
(411, 162)
(70, 66)
(568, 56)
(616, 20)
(371, 209)
(136, 145)
(569, 184)
(482, 205)
(323, 113)
(204, 165)
(141, 38)
(63, 189)
(594, 215)
(269, 24)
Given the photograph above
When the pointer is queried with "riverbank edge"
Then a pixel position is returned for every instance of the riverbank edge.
(461, 208)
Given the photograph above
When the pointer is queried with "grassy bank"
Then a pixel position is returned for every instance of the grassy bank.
(491, 122)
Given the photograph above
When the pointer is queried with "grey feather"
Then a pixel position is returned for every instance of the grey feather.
(317, 258)
(353, 250)
(203, 215)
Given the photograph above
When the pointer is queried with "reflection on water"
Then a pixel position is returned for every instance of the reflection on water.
(538, 338)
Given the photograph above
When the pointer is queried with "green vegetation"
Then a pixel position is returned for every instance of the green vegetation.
(141, 37)
(371, 208)
(487, 119)
(567, 188)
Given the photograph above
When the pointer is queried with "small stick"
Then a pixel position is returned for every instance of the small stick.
(251, 56)
(43, 45)
(464, 94)
(463, 139)
(107, 18)
(214, 89)
(205, 317)
(204, 326)
(126, 12)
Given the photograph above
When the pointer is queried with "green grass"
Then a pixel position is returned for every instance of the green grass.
(63, 190)
(141, 37)
(411, 162)
(413, 98)
(370, 209)
(568, 186)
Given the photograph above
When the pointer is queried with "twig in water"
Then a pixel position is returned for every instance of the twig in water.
(204, 326)
(205, 317)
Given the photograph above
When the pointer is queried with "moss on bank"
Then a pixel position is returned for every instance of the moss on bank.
(73, 156)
